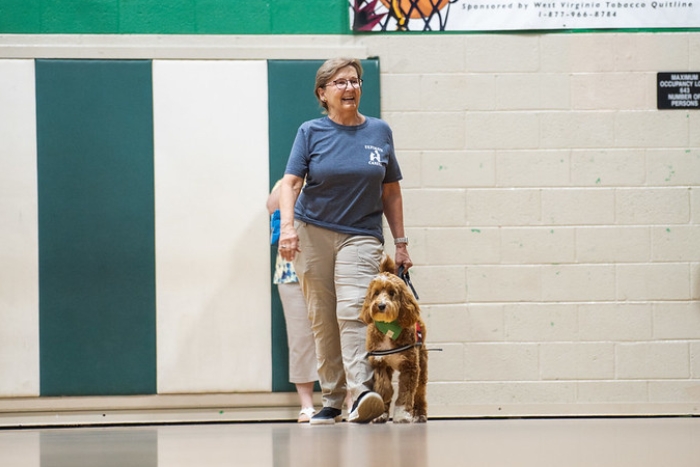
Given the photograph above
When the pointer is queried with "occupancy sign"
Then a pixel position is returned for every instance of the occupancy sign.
(678, 90)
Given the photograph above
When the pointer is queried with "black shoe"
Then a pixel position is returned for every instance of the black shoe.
(327, 416)
(366, 408)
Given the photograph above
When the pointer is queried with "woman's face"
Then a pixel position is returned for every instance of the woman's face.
(344, 99)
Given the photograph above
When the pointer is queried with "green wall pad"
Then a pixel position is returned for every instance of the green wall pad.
(96, 227)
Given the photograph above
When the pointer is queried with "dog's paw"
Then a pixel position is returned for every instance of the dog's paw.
(401, 415)
(383, 418)
(420, 419)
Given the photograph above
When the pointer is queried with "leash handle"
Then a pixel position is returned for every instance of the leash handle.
(403, 274)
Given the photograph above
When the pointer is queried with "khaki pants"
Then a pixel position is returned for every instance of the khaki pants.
(334, 270)
(300, 339)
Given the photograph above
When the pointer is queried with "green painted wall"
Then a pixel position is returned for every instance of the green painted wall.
(174, 16)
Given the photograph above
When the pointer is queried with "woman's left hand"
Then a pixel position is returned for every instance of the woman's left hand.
(401, 257)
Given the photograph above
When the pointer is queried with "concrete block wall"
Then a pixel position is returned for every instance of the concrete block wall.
(554, 218)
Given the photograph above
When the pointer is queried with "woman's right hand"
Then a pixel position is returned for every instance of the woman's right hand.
(288, 244)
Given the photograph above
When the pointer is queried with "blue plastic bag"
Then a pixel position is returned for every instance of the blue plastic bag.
(275, 227)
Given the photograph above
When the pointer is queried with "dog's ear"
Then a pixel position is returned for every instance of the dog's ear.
(410, 310)
(387, 264)
(365, 314)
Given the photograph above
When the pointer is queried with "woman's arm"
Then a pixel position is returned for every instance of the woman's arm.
(288, 193)
(273, 199)
(392, 202)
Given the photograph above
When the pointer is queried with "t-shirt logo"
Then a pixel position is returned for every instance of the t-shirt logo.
(374, 157)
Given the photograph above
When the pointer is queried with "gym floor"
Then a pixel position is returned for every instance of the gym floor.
(570, 442)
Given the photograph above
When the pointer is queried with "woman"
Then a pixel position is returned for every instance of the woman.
(300, 339)
(332, 230)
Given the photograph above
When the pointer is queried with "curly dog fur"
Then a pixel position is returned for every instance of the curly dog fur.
(389, 300)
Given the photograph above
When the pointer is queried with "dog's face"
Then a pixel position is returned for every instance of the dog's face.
(389, 299)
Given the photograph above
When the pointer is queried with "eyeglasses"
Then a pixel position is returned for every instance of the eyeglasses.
(343, 83)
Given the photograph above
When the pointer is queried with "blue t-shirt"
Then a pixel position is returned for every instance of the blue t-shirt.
(345, 168)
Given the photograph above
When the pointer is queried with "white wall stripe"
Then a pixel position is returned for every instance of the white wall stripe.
(212, 267)
(19, 249)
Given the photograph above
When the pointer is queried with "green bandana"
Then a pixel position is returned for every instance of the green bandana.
(392, 330)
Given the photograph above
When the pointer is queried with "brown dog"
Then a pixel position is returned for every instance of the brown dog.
(396, 342)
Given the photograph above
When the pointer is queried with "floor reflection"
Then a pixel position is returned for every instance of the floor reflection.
(616, 442)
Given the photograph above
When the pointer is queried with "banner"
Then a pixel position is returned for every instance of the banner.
(501, 15)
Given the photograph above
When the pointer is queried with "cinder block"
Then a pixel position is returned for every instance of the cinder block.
(653, 52)
(456, 92)
(440, 284)
(673, 167)
(695, 281)
(694, 126)
(527, 322)
(448, 364)
(537, 245)
(501, 130)
(674, 391)
(694, 42)
(615, 322)
(480, 92)
(673, 320)
(464, 246)
(397, 87)
(695, 360)
(540, 168)
(411, 168)
(576, 129)
(587, 52)
(458, 169)
(652, 206)
(613, 244)
(665, 281)
(503, 283)
(517, 207)
(501, 362)
(555, 91)
(502, 53)
(625, 392)
(695, 205)
(651, 129)
(577, 361)
(463, 323)
(507, 392)
(446, 208)
(578, 206)
(652, 360)
(532, 91)
(437, 53)
(486, 323)
(675, 243)
(578, 282)
(611, 91)
(607, 167)
(439, 130)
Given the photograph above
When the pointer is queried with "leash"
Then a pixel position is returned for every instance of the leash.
(382, 353)
(403, 274)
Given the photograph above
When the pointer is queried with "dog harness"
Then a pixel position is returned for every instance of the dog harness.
(381, 353)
